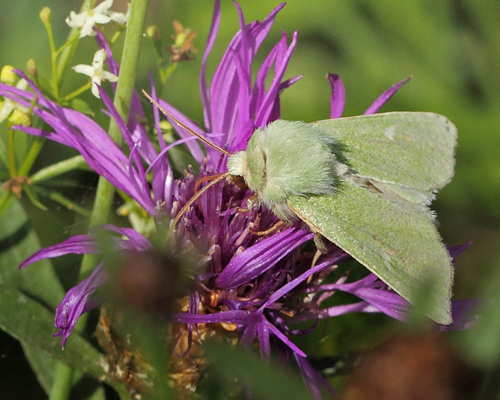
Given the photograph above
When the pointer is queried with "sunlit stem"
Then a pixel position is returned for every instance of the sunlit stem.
(66, 44)
(122, 100)
(77, 162)
(77, 92)
(30, 158)
(33, 198)
(117, 35)
(5, 201)
(53, 58)
(64, 201)
(11, 151)
(166, 72)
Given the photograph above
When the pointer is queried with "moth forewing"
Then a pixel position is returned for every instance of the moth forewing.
(410, 149)
(402, 247)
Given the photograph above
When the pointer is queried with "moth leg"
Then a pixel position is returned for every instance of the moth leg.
(277, 225)
(252, 200)
(317, 255)
(320, 243)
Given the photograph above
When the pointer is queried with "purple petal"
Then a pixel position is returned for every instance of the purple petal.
(214, 28)
(75, 301)
(193, 147)
(262, 116)
(136, 241)
(384, 97)
(281, 336)
(259, 258)
(313, 379)
(455, 251)
(337, 99)
(80, 244)
(464, 314)
(297, 281)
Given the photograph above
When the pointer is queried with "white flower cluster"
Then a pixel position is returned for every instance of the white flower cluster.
(96, 71)
(99, 15)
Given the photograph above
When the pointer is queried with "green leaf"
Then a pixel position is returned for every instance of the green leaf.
(17, 242)
(31, 323)
(82, 106)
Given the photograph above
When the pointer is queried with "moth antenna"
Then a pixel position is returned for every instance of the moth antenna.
(218, 178)
(204, 179)
(182, 125)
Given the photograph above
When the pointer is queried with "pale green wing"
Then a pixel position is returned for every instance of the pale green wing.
(400, 246)
(410, 152)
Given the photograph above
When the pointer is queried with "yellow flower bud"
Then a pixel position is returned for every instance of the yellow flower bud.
(26, 119)
(7, 75)
(165, 125)
(16, 117)
(180, 39)
(153, 33)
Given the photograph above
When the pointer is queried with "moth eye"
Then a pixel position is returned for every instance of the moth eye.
(239, 181)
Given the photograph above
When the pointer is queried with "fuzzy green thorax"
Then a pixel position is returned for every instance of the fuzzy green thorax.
(288, 159)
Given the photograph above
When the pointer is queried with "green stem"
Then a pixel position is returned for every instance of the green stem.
(61, 387)
(166, 72)
(123, 98)
(35, 148)
(10, 151)
(53, 58)
(70, 96)
(59, 168)
(5, 201)
(59, 198)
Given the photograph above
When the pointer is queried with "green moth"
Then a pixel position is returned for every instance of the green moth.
(364, 183)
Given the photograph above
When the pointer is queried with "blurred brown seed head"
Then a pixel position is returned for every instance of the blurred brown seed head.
(414, 367)
(151, 281)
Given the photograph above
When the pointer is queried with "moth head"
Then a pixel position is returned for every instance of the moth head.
(237, 166)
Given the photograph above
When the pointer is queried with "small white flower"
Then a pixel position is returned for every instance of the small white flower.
(96, 72)
(98, 15)
(120, 18)
(10, 105)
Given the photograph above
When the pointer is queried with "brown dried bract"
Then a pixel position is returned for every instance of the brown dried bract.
(15, 185)
(182, 49)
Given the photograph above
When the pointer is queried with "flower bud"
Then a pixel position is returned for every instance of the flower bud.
(7, 75)
(32, 70)
(153, 33)
(46, 15)
(26, 119)
(16, 117)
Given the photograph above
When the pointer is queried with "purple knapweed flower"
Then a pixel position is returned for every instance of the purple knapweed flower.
(258, 285)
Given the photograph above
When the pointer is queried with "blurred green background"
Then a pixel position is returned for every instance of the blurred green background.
(450, 47)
